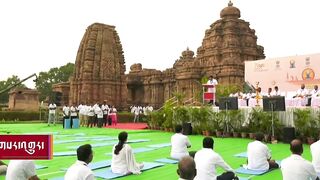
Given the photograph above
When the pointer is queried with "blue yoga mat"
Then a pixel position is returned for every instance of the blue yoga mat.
(57, 178)
(137, 150)
(38, 167)
(68, 153)
(166, 160)
(242, 170)
(42, 133)
(69, 141)
(111, 143)
(103, 139)
(241, 155)
(96, 165)
(138, 140)
(160, 145)
(108, 174)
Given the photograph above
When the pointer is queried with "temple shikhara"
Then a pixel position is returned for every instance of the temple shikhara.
(100, 65)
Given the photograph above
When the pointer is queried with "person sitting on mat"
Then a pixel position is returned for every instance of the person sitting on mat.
(123, 160)
(186, 168)
(296, 167)
(3, 168)
(315, 152)
(259, 156)
(21, 169)
(80, 169)
(207, 161)
(179, 144)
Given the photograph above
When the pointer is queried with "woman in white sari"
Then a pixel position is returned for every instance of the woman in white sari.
(123, 161)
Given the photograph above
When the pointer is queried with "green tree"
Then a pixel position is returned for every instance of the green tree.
(53, 76)
(4, 97)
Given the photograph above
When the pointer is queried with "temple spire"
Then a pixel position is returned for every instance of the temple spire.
(230, 3)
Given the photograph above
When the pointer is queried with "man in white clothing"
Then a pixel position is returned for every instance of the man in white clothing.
(80, 170)
(186, 168)
(21, 169)
(315, 152)
(276, 91)
(296, 167)
(207, 161)
(52, 113)
(213, 82)
(179, 144)
(259, 156)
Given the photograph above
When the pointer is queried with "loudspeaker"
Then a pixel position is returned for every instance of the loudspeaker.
(187, 128)
(288, 134)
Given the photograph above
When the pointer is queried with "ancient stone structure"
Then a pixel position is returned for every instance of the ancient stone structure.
(99, 68)
(24, 99)
(99, 73)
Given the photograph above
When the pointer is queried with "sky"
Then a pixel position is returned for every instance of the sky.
(36, 35)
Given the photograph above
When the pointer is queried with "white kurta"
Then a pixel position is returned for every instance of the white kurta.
(206, 163)
(79, 171)
(124, 162)
(21, 169)
(212, 82)
(297, 168)
(258, 155)
(315, 152)
(179, 145)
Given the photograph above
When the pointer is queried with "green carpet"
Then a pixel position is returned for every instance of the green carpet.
(226, 147)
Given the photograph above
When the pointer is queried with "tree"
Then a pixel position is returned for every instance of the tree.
(53, 76)
(4, 97)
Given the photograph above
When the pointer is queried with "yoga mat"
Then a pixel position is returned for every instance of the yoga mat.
(38, 167)
(95, 145)
(69, 141)
(166, 160)
(42, 133)
(160, 145)
(108, 174)
(96, 165)
(241, 155)
(138, 140)
(67, 153)
(137, 150)
(242, 170)
(103, 139)
(57, 178)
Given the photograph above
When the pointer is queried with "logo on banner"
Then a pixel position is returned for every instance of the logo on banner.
(307, 61)
(292, 64)
(308, 74)
(260, 67)
(26, 146)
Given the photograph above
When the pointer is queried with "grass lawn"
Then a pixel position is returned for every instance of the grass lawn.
(226, 147)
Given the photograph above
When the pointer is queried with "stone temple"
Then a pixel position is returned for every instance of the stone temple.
(100, 67)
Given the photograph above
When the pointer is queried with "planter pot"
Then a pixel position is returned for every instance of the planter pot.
(236, 134)
(219, 133)
(252, 135)
(244, 135)
(310, 140)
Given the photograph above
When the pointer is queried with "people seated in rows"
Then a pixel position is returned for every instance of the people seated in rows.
(21, 169)
(80, 169)
(259, 155)
(123, 160)
(186, 168)
(296, 167)
(207, 160)
(315, 153)
(3, 168)
(179, 144)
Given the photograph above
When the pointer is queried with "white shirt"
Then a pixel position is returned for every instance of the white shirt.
(302, 92)
(90, 111)
(20, 170)
(212, 82)
(105, 109)
(124, 162)
(276, 93)
(258, 155)
(315, 152)
(206, 163)
(73, 111)
(179, 143)
(315, 93)
(52, 108)
(65, 110)
(79, 171)
(99, 112)
(297, 168)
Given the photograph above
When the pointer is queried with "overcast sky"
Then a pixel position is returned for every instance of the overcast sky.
(36, 35)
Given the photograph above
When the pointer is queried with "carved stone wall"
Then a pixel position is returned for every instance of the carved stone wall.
(24, 99)
(99, 68)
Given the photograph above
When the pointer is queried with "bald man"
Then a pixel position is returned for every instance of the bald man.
(187, 168)
(296, 167)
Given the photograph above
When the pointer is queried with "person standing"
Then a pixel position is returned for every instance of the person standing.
(213, 82)
(73, 115)
(52, 114)
(66, 114)
(105, 109)
(296, 167)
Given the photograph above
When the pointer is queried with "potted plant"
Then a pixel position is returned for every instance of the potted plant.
(304, 124)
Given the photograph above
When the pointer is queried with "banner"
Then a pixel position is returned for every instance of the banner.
(288, 73)
(26, 146)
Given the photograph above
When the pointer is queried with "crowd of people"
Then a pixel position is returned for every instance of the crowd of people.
(139, 110)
